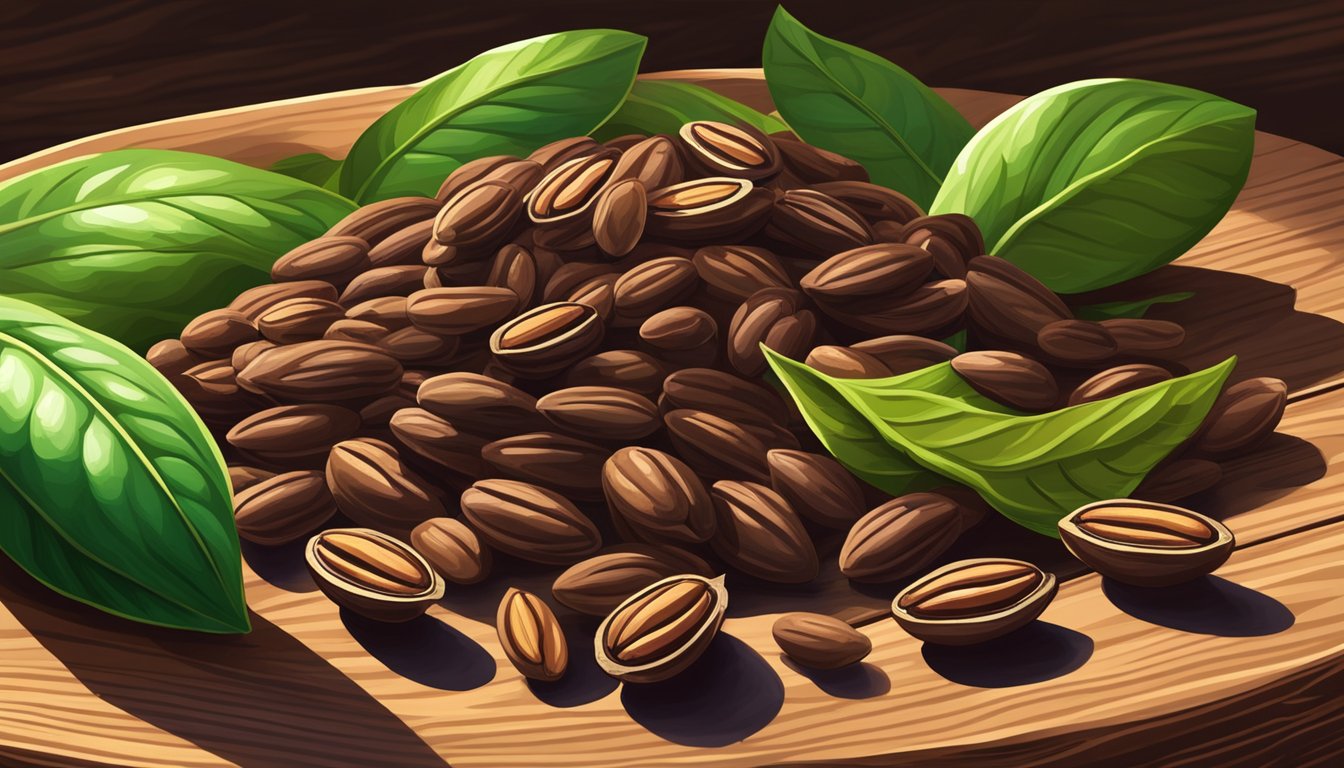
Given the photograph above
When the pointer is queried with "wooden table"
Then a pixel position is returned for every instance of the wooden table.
(1243, 668)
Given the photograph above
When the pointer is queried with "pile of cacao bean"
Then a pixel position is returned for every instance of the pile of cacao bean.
(561, 352)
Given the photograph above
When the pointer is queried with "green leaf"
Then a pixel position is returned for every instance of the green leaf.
(312, 167)
(1099, 181)
(135, 243)
(506, 101)
(111, 490)
(957, 340)
(663, 106)
(1035, 468)
(860, 105)
(850, 438)
(1118, 309)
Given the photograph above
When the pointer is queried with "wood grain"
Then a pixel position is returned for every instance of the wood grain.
(1241, 664)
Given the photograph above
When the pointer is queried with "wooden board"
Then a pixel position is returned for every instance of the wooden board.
(1229, 670)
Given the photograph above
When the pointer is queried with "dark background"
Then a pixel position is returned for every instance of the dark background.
(72, 69)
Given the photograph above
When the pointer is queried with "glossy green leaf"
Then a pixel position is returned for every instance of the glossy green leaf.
(111, 490)
(849, 437)
(1112, 310)
(1095, 182)
(137, 242)
(1034, 468)
(506, 101)
(860, 105)
(663, 106)
(312, 167)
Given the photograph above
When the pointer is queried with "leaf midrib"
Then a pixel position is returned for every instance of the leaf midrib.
(390, 159)
(18, 224)
(1078, 184)
(116, 426)
(858, 103)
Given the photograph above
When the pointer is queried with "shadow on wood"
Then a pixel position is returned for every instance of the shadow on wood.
(856, 681)
(1037, 652)
(584, 681)
(262, 699)
(1279, 466)
(283, 567)
(1235, 314)
(425, 650)
(723, 698)
(1206, 606)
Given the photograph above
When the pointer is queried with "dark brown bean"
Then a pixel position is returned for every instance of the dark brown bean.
(557, 153)
(723, 394)
(773, 317)
(682, 335)
(321, 371)
(903, 353)
(373, 487)
(653, 162)
(295, 320)
(453, 549)
(389, 311)
(478, 217)
(403, 247)
(453, 311)
(657, 496)
(437, 441)
(1243, 417)
(601, 413)
(283, 508)
(1009, 378)
(294, 433)
(218, 332)
(816, 487)
(1139, 336)
(565, 464)
(479, 404)
(412, 345)
(760, 535)
(901, 537)
(374, 222)
(242, 477)
(868, 275)
(1077, 341)
(515, 268)
(952, 238)
(873, 202)
(1117, 381)
(846, 363)
(817, 223)
(214, 392)
(379, 282)
(624, 368)
(252, 302)
(337, 260)
(715, 447)
(815, 166)
(171, 358)
(735, 272)
(618, 217)
(529, 522)
(653, 286)
(931, 309)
